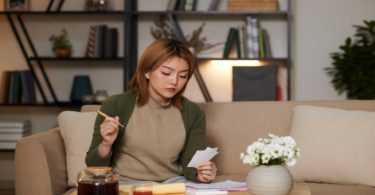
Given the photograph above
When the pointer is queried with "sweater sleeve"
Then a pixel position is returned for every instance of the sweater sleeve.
(92, 156)
(196, 122)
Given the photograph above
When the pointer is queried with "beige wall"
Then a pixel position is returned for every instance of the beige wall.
(320, 26)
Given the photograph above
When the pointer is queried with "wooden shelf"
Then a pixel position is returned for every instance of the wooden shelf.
(48, 58)
(262, 59)
(73, 12)
(41, 104)
(215, 13)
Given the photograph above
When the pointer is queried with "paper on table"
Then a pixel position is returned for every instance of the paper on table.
(225, 185)
(202, 155)
(206, 192)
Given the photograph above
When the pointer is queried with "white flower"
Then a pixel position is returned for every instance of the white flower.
(291, 162)
(255, 159)
(277, 151)
(266, 158)
(271, 150)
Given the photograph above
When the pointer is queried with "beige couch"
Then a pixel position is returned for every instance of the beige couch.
(41, 161)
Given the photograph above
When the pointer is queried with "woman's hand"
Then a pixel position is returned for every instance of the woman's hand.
(109, 131)
(206, 171)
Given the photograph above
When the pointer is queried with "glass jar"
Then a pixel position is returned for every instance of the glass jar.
(100, 96)
(98, 180)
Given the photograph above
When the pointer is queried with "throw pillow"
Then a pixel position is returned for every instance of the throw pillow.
(76, 130)
(337, 146)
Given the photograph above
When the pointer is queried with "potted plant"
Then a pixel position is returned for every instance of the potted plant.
(353, 69)
(61, 45)
(269, 155)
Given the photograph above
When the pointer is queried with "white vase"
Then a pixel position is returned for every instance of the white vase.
(269, 180)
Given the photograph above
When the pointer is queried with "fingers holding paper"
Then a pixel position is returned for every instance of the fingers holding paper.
(206, 171)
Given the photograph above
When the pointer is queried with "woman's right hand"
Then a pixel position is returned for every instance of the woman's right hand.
(109, 130)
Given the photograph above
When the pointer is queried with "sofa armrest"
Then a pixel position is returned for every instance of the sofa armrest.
(40, 164)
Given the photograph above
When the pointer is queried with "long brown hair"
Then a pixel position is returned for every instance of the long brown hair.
(155, 55)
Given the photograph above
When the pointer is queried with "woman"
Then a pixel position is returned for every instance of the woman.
(162, 130)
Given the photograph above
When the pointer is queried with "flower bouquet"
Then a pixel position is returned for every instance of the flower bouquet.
(272, 150)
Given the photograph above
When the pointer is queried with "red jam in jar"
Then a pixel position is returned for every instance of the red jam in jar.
(98, 181)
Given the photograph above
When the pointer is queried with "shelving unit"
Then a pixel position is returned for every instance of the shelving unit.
(131, 17)
(283, 15)
(36, 62)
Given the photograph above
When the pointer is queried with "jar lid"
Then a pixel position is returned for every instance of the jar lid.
(98, 170)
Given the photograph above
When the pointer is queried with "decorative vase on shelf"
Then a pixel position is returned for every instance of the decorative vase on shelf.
(100, 96)
(81, 87)
(269, 180)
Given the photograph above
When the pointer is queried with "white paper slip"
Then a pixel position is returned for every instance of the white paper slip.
(202, 155)
(224, 185)
(206, 192)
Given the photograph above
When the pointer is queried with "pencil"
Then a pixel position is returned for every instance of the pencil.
(105, 116)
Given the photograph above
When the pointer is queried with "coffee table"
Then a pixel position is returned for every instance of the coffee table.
(298, 189)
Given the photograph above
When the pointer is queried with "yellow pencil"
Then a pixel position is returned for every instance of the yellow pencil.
(105, 116)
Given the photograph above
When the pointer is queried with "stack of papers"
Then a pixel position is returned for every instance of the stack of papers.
(202, 155)
(227, 185)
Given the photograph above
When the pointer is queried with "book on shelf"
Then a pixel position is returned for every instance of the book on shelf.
(252, 39)
(99, 40)
(14, 130)
(111, 43)
(180, 5)
(90, 47)
(267, 43)
(264, 44)
(20, 124)
(18, 87)
(252, 5)
(28, 87)
(214, 5)
(241, 41)
(254, 83)
(105, 41)
(9, 145)
(13, 136)
(231, 44)
(15, 88)
(4, 84)
(261, 44)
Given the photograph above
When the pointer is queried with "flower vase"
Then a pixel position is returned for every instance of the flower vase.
(269, 180)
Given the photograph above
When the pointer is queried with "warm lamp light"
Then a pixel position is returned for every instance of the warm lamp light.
(236, 62)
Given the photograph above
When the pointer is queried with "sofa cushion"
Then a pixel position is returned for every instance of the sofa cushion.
(76, 130)
(338, 189)
(337, 146)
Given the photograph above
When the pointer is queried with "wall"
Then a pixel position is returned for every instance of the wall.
(320, 26)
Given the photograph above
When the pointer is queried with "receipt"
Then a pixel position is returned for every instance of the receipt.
(202, 155)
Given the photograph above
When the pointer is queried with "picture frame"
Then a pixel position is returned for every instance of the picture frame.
(16, 5)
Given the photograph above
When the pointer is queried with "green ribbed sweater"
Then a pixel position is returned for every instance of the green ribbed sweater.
(122, 105)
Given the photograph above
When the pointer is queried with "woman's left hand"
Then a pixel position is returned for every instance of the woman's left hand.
(206, 171)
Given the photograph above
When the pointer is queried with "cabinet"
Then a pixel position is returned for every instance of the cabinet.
(136, 19)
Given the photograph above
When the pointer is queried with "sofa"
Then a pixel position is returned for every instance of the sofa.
(41, 159)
